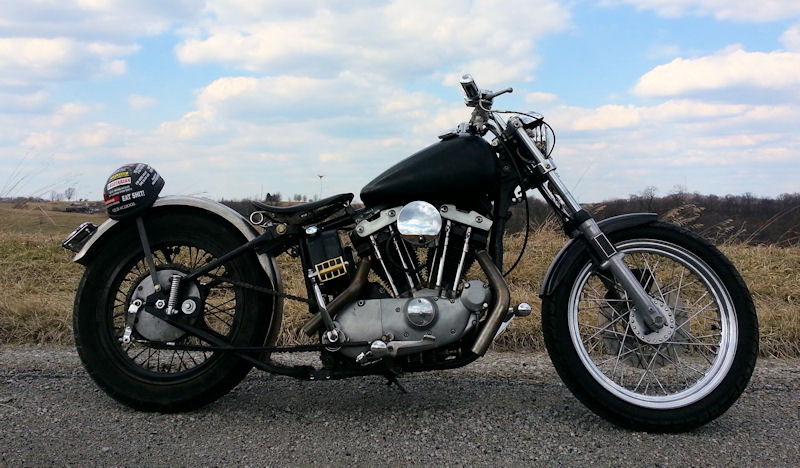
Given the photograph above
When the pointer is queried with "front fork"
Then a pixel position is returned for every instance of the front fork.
(604, 253)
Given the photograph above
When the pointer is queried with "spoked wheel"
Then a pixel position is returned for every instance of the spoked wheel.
(679, 377)
(130, 362)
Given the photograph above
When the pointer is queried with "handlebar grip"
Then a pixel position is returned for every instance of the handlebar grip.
(470, 88)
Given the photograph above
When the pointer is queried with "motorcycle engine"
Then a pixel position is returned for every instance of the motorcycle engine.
(421, 254)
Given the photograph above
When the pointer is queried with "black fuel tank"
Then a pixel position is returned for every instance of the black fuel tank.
(461, 170)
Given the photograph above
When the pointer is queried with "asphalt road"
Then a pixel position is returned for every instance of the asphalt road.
(508, 409)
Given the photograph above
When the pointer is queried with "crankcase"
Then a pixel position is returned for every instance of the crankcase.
(410, 319)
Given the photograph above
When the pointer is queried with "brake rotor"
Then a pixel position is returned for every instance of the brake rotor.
(654, 337)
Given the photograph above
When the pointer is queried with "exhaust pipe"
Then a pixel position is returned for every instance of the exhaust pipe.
(501, 299)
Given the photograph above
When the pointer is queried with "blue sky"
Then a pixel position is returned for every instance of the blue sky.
(236, 98)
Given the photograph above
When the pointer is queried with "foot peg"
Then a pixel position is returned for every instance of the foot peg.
(522, 310)
(377, 350)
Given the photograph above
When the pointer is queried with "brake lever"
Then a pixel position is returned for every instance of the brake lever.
(490, 96)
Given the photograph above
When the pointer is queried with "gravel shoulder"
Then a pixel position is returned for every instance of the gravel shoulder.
(505, 408)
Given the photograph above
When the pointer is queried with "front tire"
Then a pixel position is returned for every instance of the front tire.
(148, 377)
(684, 376)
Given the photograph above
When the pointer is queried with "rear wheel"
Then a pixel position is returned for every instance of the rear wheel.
(682, 376)
(139, 373)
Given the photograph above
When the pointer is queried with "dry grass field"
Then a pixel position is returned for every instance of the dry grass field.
(38, 282)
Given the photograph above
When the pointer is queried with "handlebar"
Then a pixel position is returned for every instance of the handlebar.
(476, 96)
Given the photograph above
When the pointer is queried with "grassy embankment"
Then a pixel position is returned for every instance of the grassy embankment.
(38, 282)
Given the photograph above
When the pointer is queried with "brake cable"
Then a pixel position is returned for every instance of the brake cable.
(527, 210)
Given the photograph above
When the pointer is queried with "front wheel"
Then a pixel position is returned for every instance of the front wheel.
(680, 377)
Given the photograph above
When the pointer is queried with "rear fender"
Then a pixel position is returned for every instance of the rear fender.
(577, 248)
(203, 207)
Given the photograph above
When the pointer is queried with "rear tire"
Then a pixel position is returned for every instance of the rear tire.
(670, 381)
(150, 379)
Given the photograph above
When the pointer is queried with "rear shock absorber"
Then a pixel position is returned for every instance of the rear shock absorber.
(173, 294)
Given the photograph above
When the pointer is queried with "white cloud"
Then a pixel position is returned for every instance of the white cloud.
(734, 10)
(730, 68)
(23, 102)
(288, 99)
(611, 116)
(116, 21)
(699, 115)
(100, 134)
(68, 113)
(40, 141)
(332, 157)
(791, 38)
(685, 110)
(708, 147)
(737, 141)
(47, 41)
(540, 99)
(397, 38)
(26, 61)
(139, 103)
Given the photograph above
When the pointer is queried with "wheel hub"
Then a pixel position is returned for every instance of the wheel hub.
(654, 337)
(153, 328)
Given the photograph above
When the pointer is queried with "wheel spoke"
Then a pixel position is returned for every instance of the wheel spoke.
(696, 314)
(602, 329)
(622, 346)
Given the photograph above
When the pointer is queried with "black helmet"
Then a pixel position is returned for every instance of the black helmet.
(131, 189)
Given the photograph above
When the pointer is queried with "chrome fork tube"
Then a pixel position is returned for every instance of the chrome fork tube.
(611, 259)
(645, 307)
(546, 167)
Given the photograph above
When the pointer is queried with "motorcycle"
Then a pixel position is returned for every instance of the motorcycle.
(648, 325)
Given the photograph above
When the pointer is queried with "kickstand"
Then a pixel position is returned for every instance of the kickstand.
(391, 378)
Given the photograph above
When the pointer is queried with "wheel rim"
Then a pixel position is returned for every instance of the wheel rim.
(682, 369)
(219, 312)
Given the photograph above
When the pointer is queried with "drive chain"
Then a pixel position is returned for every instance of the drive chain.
(261, 289)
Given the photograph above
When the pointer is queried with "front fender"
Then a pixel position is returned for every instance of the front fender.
(203, 207)
(575, 248)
